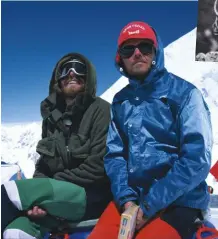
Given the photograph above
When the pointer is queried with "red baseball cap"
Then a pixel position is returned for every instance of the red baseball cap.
(137, 30)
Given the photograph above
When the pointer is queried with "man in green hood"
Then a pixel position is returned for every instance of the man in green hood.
(69, 183)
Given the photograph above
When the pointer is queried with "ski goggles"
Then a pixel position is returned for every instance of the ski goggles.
(78, 67)
(128, 50)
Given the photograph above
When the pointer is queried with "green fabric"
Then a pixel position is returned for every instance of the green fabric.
(60, 199)
(26, 225)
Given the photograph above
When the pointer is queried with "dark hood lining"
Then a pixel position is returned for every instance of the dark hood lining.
(90, 85)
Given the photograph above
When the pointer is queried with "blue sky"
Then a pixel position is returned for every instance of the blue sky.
(36, 34)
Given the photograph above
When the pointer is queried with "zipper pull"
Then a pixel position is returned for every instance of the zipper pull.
(67, 148)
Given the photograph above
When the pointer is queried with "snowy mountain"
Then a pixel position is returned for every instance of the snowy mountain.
(19, 141)
(18, 145)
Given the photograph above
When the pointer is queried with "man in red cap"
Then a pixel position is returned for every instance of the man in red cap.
(158, 145)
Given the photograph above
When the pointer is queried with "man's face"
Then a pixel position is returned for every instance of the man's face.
(72, 84)
(138, 64)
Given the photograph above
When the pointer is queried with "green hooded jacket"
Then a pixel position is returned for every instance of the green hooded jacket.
(76, 154)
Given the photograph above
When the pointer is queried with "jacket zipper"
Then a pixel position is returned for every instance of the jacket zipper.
(67, 147)
(66, 143)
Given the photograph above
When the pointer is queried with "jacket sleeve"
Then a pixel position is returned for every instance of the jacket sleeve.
(41, 169)
(91, 171)
(115, 163)
(193, 164)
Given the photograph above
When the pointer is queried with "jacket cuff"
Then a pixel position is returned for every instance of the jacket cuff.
(127, 195)
(127, 199)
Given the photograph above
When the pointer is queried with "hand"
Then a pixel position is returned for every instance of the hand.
(140, 219)
(36, 212)
(128, 204)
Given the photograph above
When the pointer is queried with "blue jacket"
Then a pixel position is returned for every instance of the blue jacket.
(159, 142)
